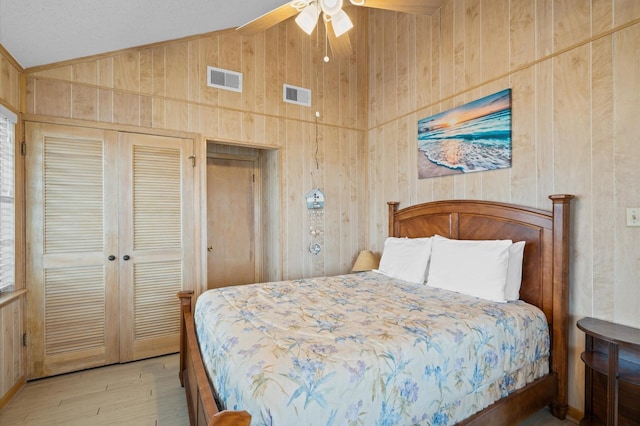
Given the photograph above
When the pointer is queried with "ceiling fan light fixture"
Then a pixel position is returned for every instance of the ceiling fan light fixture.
(341, 23)
(308, 18)
(331, 7)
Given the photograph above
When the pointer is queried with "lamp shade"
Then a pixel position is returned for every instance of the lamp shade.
(308, 18)
(341, 23)
(366, 261)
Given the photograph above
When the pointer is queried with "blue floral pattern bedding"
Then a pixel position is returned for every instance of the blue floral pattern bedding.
(365, 349)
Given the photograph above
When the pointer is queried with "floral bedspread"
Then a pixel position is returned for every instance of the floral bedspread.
(364, 349)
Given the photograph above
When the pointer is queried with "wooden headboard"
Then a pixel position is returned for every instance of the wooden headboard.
(545, 273)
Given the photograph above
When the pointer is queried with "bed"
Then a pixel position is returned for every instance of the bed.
(532, 386)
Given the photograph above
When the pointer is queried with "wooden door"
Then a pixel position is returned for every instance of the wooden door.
(110, 241)
(231, 222)
(157, 233)
(72, 298)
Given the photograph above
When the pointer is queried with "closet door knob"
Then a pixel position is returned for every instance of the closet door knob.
(112, 258)
(126, 257)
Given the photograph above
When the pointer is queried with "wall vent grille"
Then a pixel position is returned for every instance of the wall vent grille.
(296, 95)
(224, 79)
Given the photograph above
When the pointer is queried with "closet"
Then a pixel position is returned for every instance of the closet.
(111, 226)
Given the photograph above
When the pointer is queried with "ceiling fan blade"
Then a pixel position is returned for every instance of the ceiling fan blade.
(268, 20)
(420, 7)
(340, 46)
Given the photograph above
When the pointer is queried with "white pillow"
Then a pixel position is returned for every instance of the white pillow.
(514, 270)
(514, 273)
(405, 258)
(475, 268)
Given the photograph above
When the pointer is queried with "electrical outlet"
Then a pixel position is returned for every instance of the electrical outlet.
(633, 216)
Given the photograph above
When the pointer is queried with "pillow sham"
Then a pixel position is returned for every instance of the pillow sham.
(405, 258)
(475, 268)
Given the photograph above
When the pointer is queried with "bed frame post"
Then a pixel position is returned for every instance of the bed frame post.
(393, 208)
(201, 403)
(560, 359)
(185, 307)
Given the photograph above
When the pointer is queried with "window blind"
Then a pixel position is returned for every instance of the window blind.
(7, 199)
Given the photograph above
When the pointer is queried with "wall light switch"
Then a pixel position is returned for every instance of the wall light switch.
(633, 216)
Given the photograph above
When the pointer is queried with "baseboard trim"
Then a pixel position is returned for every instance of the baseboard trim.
(574, 415)
(10, 394)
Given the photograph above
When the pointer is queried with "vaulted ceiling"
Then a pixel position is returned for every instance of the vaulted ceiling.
(38, 32)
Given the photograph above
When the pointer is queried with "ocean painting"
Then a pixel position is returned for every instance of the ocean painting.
(469, 138)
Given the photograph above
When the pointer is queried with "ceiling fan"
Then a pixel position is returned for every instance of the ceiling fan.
(335, 19)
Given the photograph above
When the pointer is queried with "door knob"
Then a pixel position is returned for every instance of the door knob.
(210, 248)
(126, 257)
(112, 258)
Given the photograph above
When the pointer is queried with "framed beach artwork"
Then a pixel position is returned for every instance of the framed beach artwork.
(470, 138)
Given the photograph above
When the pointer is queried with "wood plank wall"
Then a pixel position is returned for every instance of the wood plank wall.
(10, 72)
(574, 70)
(12, 357)
(12, 354)
(163, 87)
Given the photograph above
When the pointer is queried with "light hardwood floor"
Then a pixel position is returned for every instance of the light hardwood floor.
(139, 393)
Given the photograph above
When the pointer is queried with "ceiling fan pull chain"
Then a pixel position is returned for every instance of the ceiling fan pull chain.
(326, 37)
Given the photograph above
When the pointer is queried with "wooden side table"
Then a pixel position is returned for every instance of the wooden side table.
(612, 373)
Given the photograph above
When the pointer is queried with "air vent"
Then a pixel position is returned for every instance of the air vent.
(296, 95)
(224, 79)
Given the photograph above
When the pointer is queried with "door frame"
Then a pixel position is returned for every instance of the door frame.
(257, 209)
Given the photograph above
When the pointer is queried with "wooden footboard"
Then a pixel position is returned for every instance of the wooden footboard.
(193, 376)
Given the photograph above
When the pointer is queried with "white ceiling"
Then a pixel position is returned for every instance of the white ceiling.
(38, 32)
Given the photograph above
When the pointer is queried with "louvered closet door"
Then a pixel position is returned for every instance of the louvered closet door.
(72, 299)
(157, 235)
(111, 240)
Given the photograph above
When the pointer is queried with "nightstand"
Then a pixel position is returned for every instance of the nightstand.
(612, 373)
